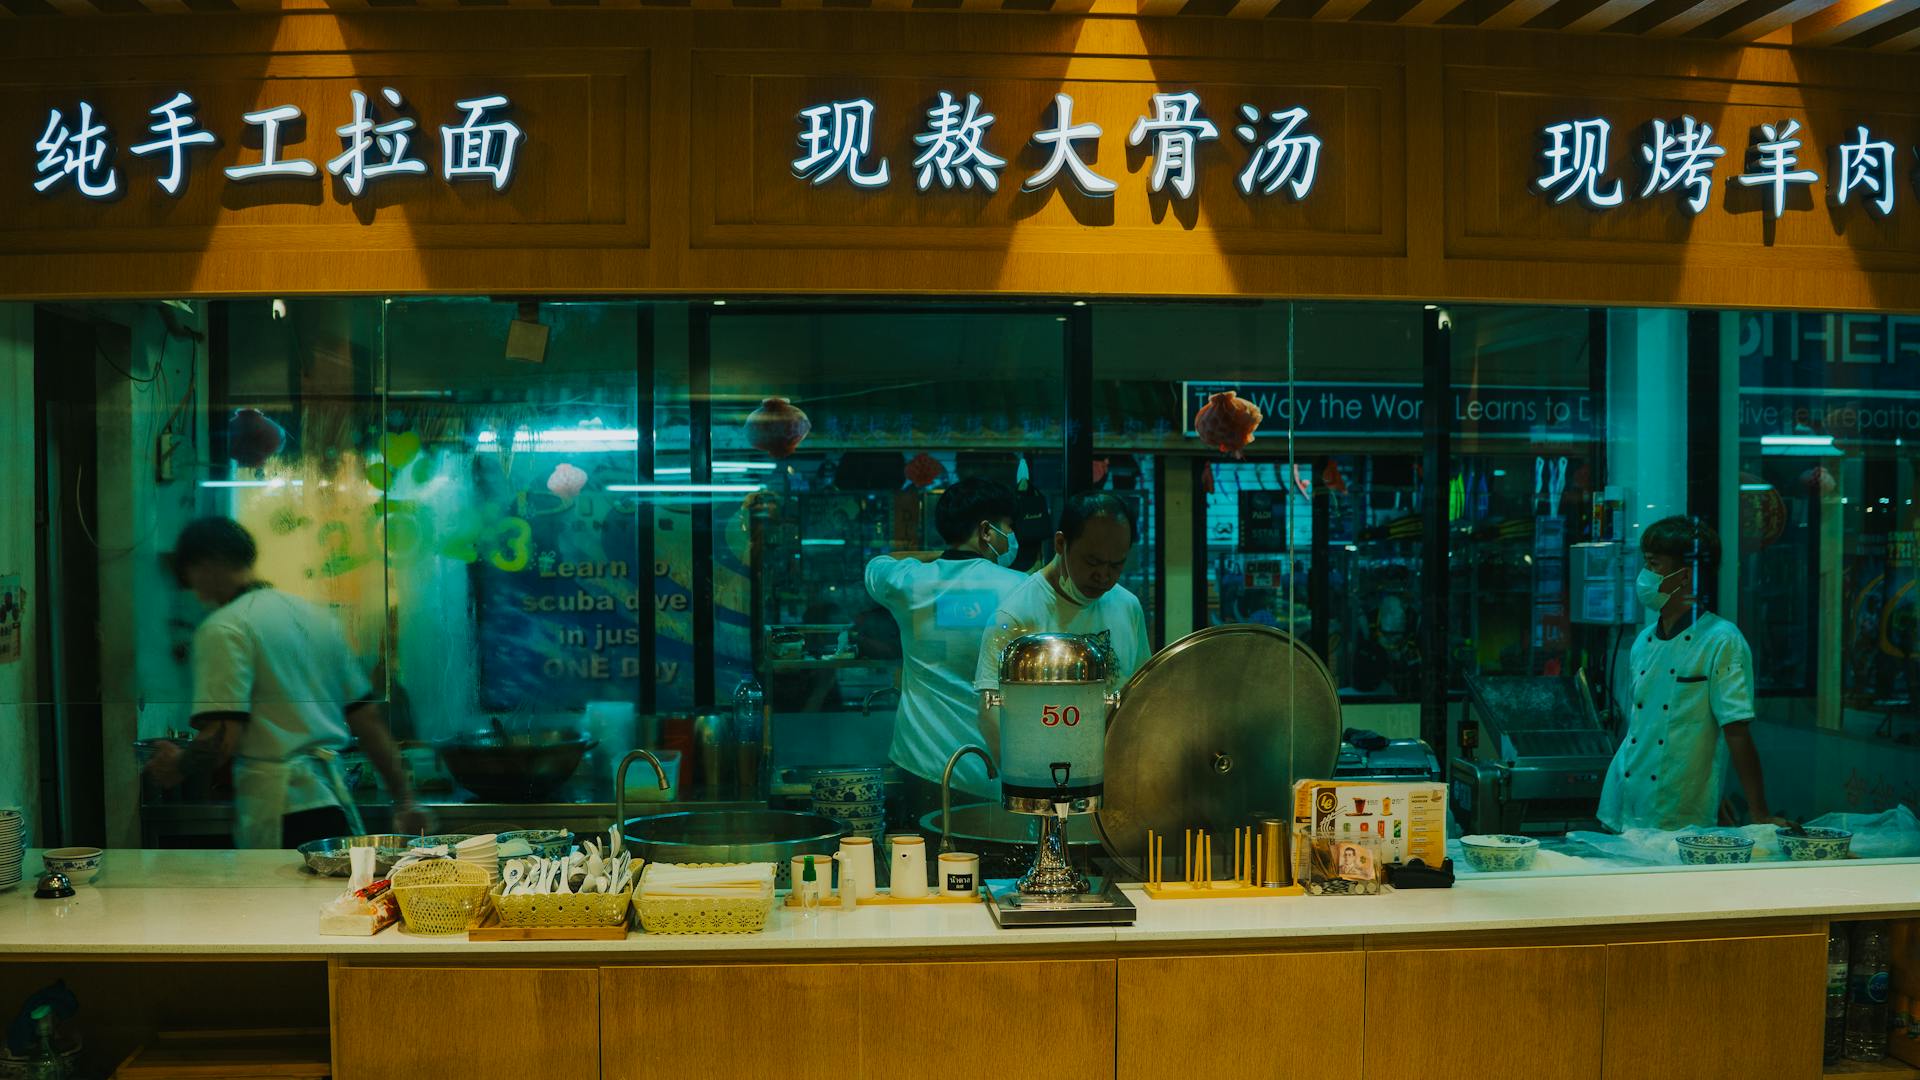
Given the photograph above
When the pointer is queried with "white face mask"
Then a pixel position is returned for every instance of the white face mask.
(1067, 588)
(1646, 586)
(1006, 558)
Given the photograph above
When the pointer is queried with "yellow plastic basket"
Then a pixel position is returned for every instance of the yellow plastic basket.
(702, 914)
(563, 909)
(443, 896)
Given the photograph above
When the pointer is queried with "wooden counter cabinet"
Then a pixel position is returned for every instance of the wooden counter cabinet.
(1253, 1016)
(476, 1023)
(1466, 1014)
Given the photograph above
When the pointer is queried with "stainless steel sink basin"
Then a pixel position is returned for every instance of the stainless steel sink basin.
(774, 836)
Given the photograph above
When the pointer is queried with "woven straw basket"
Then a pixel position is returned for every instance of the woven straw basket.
(443, 896)
(702, 914)
(563, 909)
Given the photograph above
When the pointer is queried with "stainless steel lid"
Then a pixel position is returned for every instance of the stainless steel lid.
(1212, 730)
(1054, 659)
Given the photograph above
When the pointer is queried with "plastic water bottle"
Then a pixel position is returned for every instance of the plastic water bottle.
(1867, 986)
(1837, 947)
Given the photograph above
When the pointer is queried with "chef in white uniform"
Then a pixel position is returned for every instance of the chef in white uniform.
(1079, 592)
(944, 602)
(1690, 703)
(277, 690)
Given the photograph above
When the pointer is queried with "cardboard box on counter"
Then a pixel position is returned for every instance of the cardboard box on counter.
(1409, 821)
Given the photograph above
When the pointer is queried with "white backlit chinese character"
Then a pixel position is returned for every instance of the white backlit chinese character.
(836, 140)
(480, 147)
(1061, 138)
(1177, 128)
(953, 146)
(1283, 158)
(174, 126)
(1775, 155)
(363, 135)
(270, 163)
(1868, 166)
(1576, 157)
(1681, 156)
(79, 152)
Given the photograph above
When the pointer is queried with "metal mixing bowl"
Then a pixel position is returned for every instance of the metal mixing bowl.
(514, 766)
(328, 858)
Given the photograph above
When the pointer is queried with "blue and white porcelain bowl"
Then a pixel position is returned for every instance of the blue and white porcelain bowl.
(80, 864)
(1499, 853)
(1816, 845)
(1714, 849)
(853, 785)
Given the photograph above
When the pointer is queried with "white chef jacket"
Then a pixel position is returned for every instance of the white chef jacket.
(1670, 770)
(1037, 607)
(285, 664)
(944, 608)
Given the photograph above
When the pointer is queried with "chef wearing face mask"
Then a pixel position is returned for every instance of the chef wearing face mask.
(1690, 705)
(1079, 592)
(944, 602)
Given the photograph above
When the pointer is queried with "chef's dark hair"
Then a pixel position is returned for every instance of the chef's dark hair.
(1088, 505)
(966, 504)
(218, 540)
(1689, 540)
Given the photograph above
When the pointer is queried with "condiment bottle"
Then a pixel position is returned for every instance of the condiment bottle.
(809, 894)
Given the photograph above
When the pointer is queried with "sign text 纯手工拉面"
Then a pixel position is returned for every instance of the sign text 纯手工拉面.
(1679, 158)
(75, 149)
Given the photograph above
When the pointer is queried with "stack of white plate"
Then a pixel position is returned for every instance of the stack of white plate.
(483, 851)
(13, 847)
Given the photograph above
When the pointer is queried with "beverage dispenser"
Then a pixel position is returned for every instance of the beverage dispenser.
(1055, 698)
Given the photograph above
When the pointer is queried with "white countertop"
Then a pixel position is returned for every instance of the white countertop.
(261, 903)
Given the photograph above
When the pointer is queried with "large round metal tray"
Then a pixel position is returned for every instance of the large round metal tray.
(1212, 730)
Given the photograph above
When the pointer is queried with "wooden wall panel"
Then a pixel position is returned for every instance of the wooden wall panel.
(744, 194)
(660, 142)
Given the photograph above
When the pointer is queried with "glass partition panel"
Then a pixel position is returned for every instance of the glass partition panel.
(834, 436)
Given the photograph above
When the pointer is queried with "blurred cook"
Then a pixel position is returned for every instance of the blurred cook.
(1691, 699)
(276, 690)
(1079, 592)
(944, 602)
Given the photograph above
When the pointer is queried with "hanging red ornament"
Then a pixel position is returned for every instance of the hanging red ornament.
(1100, 466)
(253, 437)
(924, 470)
(1206, 478)
(1227, 423)
(777, 427)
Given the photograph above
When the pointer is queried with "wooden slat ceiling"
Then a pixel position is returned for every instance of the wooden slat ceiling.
(1881, 25)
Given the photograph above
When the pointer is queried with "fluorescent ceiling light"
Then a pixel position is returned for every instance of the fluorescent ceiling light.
(274, 483)
(685, 489)
(823, 543)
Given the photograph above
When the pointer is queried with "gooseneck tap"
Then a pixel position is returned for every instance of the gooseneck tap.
(620, 783)
(946, 790)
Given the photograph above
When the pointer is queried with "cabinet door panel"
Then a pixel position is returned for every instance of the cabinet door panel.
(511, 1023)
(1254, 1016)
(1039, 1018)
(1468, 1014)
(745, 1021)
(1726, 1009)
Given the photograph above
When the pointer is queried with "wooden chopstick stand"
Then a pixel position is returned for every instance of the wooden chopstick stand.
(1196, 869)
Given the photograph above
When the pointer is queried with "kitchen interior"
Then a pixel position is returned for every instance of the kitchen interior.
(603, 562)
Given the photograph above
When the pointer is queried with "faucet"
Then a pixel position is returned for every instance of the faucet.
(946, 790)
(885, 693)
(620, 783)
